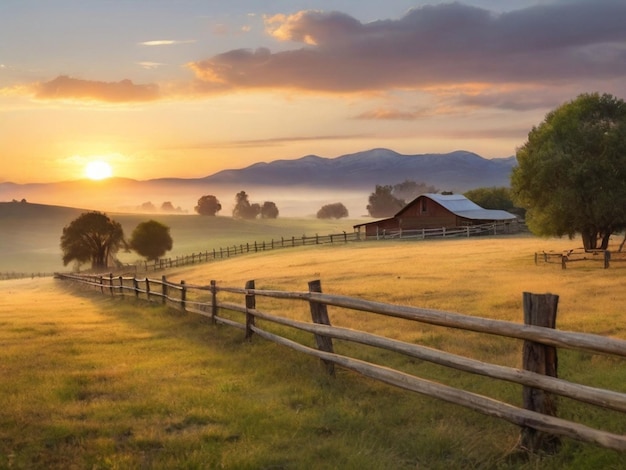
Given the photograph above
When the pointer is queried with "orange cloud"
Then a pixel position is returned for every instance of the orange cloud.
(64, 87)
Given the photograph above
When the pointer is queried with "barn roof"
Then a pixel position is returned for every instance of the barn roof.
(461, 206)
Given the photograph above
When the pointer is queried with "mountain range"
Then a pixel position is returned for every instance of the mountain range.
(290, 183)
(460, 171)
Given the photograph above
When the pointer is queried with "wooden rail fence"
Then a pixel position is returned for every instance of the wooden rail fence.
(540, 427)
(253, 247)
(497, 228)
(565, 258)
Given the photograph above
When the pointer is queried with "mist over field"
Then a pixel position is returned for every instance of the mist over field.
(120, 195)
(30, 233)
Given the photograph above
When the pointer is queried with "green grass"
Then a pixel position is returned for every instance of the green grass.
(91, 381)
(30, 234)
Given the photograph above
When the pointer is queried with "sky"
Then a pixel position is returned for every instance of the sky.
(187, 88)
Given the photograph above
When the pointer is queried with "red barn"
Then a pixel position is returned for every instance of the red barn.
(435, 211)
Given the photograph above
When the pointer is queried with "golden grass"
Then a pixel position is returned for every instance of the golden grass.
(483, 277)
(95, 382)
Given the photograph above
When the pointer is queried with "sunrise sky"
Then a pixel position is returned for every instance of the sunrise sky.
(185, 88)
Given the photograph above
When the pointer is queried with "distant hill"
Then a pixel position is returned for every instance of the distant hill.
(457, 171)
(299, 187)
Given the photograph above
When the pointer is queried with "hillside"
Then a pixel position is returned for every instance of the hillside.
(30, 233)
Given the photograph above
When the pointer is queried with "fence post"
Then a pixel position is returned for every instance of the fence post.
(147, 287)
(607, 259)
(183, 296)
(121, 285)
(563, 261)
(101, 285)
(213, 301)
(164, 289)
(250, 305)
(319, 314)
(136, 286)
(111, 283)
(539, 310)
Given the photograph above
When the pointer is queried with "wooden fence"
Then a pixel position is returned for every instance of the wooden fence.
(497, 228)
(566, 258)
(15, 275)
(254, 247)
(540, 427)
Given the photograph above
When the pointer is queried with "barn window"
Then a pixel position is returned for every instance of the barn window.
(424, 205)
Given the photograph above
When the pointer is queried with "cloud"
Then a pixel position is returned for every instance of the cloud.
(269, 142)
(64, 87)
(443, 44)
(166, 42)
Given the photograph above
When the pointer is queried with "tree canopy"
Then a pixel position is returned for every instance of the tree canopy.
(94, 237)
(382, 202)
(208, 205)
(151, 239)
(269, 210)
(491, 198)
(409, 190)
(571, 172)
(332, 211)
(243, 209)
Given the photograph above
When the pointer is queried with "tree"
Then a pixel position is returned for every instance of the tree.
(151, 239)
(382, 203)
(571, 173)
(243, 209)
(409, 190)
(269, 210)
(208, 205)
(147, 207)
(332, 211)
(491, 198)
(94, 237)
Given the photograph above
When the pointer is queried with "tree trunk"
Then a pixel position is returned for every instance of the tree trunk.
(605, 240)
(589, 240)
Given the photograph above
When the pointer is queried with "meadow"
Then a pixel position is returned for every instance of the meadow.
(30, 234)
(92, 381)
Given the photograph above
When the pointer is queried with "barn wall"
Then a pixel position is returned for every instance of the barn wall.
(426, 213)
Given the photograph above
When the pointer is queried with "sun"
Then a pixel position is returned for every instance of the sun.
(98, 170)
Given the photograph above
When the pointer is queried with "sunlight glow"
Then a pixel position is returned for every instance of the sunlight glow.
(98, 170)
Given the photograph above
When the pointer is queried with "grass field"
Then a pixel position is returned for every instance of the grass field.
(91, 381)
(30, 234)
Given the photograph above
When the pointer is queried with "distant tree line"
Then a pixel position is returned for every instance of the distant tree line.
(167, 206)
(244, 209)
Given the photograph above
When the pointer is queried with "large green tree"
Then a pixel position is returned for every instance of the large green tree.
(151, 239)
(94, 237)
(571, 172)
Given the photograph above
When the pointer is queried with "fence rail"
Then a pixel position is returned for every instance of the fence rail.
(22, 275)
(449, 232)
(534, 422)
(242, 248)
(566, 257)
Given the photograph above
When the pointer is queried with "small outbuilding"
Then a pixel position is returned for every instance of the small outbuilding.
(435, 211)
